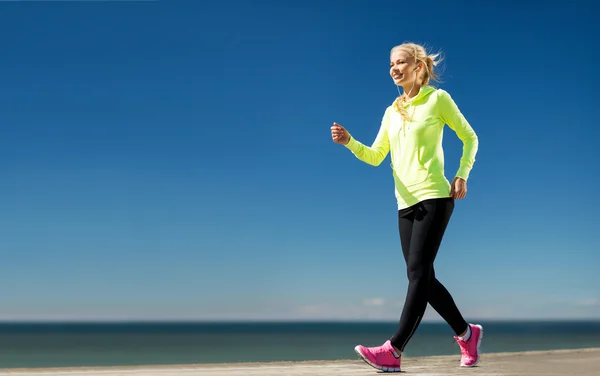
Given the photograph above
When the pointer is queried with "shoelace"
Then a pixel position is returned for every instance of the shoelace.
(463, 346)
(379, 350)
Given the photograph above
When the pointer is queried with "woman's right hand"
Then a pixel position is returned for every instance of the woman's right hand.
(339, 134)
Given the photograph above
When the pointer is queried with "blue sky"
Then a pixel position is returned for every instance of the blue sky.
(171, 160)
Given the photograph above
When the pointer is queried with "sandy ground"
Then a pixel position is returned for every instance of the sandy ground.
(584, 362)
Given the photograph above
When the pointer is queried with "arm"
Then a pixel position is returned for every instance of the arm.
(452, 116)
(375, 154)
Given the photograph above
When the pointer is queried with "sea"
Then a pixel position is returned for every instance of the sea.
(72, 344)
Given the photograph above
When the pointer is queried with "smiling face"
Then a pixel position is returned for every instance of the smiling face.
(403, 68)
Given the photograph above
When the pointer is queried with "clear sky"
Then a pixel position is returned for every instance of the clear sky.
(165, 159)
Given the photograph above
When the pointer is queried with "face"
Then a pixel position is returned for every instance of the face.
(402, 68)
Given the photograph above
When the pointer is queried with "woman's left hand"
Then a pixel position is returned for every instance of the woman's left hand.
(458, 188)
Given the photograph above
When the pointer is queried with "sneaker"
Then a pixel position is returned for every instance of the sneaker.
(470, 348)
(380, 357)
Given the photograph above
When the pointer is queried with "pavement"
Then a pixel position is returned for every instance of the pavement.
(582, 362)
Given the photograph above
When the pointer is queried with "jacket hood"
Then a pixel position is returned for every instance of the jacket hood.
(423, 93)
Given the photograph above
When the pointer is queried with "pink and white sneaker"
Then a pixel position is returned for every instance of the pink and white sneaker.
(380, 357)
(470, 348)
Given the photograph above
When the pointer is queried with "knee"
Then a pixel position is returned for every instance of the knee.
(419, 273)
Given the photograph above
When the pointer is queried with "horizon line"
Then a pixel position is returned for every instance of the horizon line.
(274, 321)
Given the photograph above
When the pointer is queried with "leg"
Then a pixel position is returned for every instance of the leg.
(439, 298)
(421, 231)
(429, 221)
(410, 227)
(383, 357)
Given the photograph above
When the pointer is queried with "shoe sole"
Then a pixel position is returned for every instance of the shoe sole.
(383, 369)
(478, 347)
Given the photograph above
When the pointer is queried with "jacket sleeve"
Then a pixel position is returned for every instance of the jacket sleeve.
(452, 116)
(376, 153)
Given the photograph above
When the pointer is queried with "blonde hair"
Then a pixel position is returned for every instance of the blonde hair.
(429, 61)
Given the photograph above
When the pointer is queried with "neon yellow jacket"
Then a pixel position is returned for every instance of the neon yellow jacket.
(417, 157)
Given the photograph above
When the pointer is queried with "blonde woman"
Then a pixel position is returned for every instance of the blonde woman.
(411, 132)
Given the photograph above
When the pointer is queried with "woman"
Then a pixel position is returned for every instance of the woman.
(411, 131)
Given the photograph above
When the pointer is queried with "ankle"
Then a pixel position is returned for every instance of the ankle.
(466, 334)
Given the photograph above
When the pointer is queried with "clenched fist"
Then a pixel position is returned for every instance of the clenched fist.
(339, 134)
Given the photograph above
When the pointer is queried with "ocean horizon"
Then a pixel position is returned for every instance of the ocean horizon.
(75, 343)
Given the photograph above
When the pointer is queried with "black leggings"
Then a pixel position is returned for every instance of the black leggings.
(422, 228)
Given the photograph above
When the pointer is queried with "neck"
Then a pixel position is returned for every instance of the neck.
(412, 90)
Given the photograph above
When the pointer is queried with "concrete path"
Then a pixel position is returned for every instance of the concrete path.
(547, 363)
